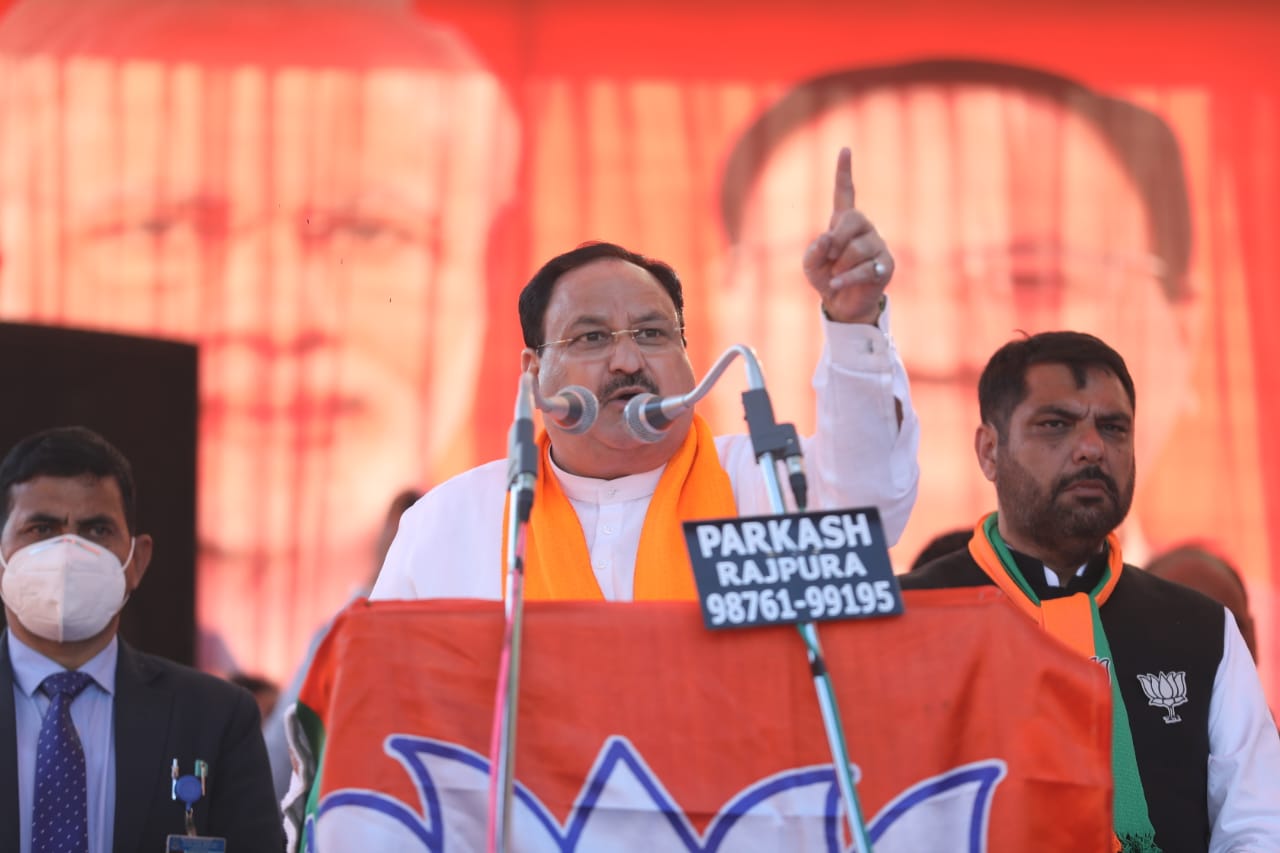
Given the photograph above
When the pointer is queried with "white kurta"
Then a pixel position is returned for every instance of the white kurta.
(449, 544)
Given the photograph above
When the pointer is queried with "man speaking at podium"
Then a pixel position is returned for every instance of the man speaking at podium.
(606, 518)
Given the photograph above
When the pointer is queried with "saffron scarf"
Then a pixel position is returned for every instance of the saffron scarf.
(1074, 619)
(557, 565)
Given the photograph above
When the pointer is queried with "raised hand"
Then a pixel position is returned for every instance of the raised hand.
(848, 264)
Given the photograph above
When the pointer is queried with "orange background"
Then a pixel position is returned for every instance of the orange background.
(618, 143)
(1218, 477)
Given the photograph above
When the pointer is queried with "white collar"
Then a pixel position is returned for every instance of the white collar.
(618, 490)
(1052, 579)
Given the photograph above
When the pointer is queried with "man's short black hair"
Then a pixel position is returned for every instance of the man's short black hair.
(536, 295)
(66, 452)
(1142, 142)
(1003, 384)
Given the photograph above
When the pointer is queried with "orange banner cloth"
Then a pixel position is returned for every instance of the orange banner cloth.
(960, 711)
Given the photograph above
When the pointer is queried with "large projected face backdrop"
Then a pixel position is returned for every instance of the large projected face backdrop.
(1013, 203)
(332, 199)
(313, 210)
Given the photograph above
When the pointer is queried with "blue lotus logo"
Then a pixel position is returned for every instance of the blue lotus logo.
(623, 806)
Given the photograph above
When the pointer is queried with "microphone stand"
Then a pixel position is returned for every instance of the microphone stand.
(522, 475)
(770, 441)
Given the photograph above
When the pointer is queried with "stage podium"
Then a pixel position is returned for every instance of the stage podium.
(642, 731)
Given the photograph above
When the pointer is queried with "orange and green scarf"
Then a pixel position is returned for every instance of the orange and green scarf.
(556, 563)
(1074, 619)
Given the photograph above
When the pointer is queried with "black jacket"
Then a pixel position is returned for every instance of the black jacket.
(1153, 627)
(163, 711)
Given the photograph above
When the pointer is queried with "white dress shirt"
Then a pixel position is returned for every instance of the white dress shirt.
(1244, 754)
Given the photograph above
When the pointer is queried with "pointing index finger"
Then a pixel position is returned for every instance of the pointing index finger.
(842, 198)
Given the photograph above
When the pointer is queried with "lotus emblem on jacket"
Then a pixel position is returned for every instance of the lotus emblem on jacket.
(1167, 690)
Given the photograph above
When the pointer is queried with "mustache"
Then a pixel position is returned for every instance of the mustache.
(1093, 472)
(622, 381)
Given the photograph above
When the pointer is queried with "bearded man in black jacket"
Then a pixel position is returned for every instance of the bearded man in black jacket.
(1195, 756)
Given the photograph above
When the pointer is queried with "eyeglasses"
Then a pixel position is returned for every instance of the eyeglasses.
(655, 338)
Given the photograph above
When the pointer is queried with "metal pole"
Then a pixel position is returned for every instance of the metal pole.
(826, 694)
(522, 475)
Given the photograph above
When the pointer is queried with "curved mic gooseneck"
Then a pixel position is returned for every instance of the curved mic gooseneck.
(648, 417)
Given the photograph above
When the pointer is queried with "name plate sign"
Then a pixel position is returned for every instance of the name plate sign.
(800, 567)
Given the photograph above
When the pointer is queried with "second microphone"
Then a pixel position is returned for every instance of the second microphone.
(574, 408)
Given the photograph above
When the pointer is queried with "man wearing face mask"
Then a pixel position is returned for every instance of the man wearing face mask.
(90, 728)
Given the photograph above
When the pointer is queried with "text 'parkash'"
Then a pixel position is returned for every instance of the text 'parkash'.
(783, 536)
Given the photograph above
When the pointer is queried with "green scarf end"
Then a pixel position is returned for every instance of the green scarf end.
(1131, 817)
(1143, 843)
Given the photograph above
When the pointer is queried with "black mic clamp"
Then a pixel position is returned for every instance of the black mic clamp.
(522, 452)
(781, 440)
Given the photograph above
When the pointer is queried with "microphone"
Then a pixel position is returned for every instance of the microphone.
(648, 416)
(574, 409)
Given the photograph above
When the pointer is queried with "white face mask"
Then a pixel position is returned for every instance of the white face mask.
(64, 589)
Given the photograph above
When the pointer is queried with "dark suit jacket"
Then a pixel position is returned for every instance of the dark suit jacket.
(164, 711)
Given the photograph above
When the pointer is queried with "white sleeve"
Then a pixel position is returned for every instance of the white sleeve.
(449, 543)
(1244, 755)
(395, 578)
(859, 454)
